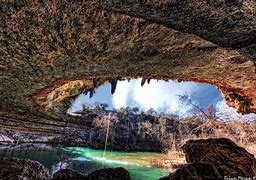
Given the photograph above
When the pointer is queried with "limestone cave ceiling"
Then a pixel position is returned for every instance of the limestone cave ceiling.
(50, 51)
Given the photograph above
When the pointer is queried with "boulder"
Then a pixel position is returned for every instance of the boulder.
(109, 174)
(102, 174)
(22, 169)
(215, 159)
(195, 171)
(224, 154)
(67, 174)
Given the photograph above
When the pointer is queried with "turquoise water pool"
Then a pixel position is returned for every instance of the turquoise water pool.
(141, 165)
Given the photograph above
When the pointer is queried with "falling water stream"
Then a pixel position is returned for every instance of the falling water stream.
(106, 140)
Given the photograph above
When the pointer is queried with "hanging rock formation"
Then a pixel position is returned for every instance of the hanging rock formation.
(92, 92)
(113, 82)
(96, 82)
(50, 51)
(143, 81)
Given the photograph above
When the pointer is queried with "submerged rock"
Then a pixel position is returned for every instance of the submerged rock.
(109, 174)
(67, 174)
(102, 174)
(22, 169)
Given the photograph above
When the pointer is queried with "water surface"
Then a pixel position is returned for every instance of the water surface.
(141, 165)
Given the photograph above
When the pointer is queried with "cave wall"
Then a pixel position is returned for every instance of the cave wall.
(51, 50)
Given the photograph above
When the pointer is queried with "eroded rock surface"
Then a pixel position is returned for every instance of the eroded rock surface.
(215, 159)
(20, 169)
(51, 50)
(226, 23)
(224, 154)
(195, 171)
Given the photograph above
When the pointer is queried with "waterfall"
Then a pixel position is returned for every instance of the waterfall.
(106, 140)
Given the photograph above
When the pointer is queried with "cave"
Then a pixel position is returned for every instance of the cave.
(157, 97)
(53, 51)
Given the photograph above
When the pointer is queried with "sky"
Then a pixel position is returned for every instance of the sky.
(162, 96)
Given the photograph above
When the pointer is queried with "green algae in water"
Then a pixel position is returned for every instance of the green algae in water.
(139, 164)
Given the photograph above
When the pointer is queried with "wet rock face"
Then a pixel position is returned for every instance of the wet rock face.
(215, 159)
(103, 174)
(50, 50)
(20, 169)
(224, 154)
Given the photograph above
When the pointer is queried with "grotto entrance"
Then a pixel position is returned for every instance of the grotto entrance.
(150, 116)
(143, 115)
(155, 97)
(138, 124)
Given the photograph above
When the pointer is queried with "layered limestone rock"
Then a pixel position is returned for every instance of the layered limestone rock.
(50, 51)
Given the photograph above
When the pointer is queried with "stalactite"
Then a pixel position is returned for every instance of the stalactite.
(92, 92)
(85, 91)
(148, 81)
(96, 82)
(113, 82)
(143, 81)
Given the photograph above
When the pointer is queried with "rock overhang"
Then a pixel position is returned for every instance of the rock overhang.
(52, 51)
